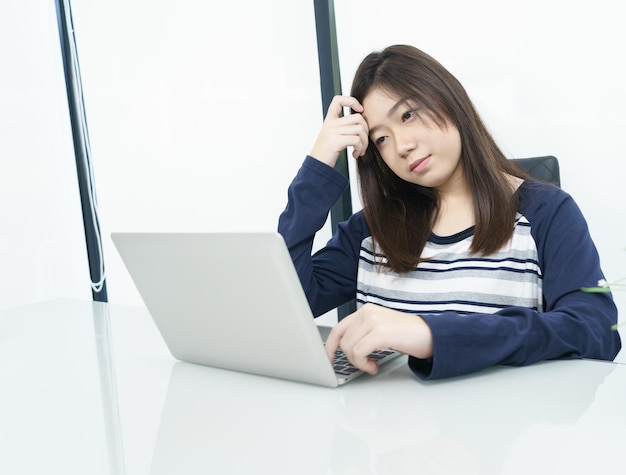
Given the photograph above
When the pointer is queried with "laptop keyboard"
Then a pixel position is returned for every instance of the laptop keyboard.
(343, 367)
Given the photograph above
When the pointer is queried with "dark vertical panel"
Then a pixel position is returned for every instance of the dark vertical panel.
(330, 84)
(81, 150)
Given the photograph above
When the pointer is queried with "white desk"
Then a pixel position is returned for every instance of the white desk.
(90, 388)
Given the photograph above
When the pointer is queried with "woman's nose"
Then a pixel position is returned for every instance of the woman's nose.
(406, 143)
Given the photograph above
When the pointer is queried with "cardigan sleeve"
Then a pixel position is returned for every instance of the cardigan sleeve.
(574, 324)
(329, 276)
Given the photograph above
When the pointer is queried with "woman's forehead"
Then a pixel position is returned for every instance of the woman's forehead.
(378, 106)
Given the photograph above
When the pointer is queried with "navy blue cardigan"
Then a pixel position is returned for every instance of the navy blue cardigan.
(573, 324)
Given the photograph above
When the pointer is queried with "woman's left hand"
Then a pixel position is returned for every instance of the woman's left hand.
(373, 327)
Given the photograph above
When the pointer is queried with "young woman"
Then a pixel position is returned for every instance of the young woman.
(457, 259)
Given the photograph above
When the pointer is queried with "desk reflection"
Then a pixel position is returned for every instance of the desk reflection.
(464, 425)
(58, 400)
(88, 392)
(215, 421)
(108, 388)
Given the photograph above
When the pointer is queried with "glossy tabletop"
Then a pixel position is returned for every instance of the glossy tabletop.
(90, 388)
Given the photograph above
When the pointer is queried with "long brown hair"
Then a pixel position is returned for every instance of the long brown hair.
(400, 214)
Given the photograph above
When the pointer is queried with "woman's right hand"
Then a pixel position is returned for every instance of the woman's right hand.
(340, 131)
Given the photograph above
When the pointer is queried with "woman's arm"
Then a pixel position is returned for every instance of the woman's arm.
(329, 276)
(574, 324)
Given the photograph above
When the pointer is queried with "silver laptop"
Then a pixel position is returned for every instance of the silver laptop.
(231, 301)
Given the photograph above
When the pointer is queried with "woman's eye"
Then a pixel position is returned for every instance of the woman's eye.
(380, 140)
(407, 115)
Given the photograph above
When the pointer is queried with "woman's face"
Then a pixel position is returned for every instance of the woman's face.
(412, 145)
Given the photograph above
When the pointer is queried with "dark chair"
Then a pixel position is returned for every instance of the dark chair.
(543, 168)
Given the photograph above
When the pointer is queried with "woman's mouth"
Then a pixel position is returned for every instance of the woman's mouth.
(419, 164)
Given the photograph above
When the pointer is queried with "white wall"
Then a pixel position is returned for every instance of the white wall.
(42, 244)
(201, 112)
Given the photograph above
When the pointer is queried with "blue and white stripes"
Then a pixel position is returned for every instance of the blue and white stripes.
(472, 283)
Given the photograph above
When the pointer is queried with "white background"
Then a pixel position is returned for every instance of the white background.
(200, 113)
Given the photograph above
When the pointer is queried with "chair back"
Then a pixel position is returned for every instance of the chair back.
(542, 168)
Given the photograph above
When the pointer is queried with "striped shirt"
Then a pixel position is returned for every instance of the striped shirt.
(451, 278)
